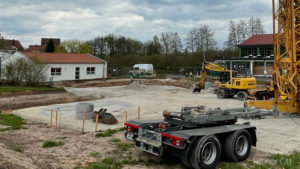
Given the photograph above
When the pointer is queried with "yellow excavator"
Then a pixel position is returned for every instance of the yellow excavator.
(230, 85)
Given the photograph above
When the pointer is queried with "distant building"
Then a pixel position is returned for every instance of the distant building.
(255, 56)
(44, 42)
(67, 66)
(13, 45)
(36, 48)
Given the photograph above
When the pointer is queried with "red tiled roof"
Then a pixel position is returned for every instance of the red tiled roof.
(265, 39)
(10, 43)
(63, 57)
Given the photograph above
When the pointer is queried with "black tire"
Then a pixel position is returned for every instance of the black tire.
(206, 153)
(230, 96)
(221, 94)
(242, 95)
(238, 146)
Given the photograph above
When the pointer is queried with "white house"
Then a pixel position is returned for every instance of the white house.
(67, 66)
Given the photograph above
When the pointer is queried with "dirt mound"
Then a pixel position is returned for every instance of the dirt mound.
(136, 84)
(39, 99)
(122, 82)
(177, 83)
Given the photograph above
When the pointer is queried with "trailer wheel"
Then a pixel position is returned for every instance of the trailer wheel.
(221, 94)
(238, 146)
(206, 153)
(242, 95)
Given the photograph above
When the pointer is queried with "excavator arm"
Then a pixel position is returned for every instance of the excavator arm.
(207, 66)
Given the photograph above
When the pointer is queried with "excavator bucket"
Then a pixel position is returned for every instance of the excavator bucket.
(198, 88)
(103, 117)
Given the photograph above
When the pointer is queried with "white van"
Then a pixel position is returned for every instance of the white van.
(142, 69)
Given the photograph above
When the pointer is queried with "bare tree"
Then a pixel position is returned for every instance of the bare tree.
(176, 44)
(201, 39)
(255, 26)
(166, 42)
(191, 40)
(242, 32)
(24, 70)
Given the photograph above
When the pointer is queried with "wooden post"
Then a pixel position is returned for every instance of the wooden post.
(125, 116)
(56, 118)
(51, 115)
(139, 113)
(96, 127)
(83, 119)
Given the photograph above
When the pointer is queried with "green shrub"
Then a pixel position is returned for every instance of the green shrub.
(11, 121)
(49, 144)
(108, 133)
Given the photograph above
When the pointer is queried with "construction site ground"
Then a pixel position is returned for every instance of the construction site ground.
(275, 134)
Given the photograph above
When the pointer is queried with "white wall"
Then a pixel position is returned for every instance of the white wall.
(68, 71)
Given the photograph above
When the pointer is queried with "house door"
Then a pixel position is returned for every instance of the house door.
(77, 73)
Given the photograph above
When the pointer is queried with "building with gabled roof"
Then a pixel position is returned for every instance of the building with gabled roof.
(13, 45)
(67, 66)
(255, 56)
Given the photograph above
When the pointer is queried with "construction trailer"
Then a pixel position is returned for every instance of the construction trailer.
(197, 136)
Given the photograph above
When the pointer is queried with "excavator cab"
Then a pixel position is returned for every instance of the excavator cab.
(224, 77)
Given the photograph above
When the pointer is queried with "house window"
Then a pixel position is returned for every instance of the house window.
(90, 70)
(55, 71)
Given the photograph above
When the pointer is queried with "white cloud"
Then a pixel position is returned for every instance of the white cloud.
(30, 20)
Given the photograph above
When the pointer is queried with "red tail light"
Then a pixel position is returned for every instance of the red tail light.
(176, 141)
(131, 127)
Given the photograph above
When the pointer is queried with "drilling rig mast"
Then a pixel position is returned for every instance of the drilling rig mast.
(286, 79)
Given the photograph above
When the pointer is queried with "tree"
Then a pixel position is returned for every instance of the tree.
(24, 70)
(241, 31)
(176, 44)
(255, 26)
(50, 47)
(60, 49)
(201, 39)
(232, 38)
(76, 46)
(171, 43)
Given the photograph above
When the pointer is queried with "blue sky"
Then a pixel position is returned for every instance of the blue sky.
(29, 20)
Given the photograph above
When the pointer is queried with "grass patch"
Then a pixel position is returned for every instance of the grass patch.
(18, 149)
(124, 146)
(28, 88)
(115, 140)
(277, 161)
(49, 144)
(94, 154)
(112, 163)
(108, 133)
(291, 161)
(11, 121)
(107, 163)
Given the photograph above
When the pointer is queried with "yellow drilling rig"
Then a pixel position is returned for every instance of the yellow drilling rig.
(286, 78)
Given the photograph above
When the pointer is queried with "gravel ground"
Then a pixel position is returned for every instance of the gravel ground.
(275, 135)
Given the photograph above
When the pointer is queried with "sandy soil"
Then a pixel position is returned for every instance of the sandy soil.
(281, 131)
(120, 82)
(75, 151)
(10, 101)
(153, 100)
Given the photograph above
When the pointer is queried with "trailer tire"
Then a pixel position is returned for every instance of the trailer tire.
(242, 95)
(206, 153)
(238, 146)
(221, 94)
